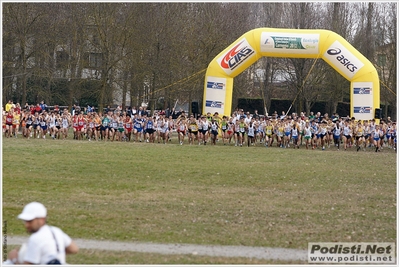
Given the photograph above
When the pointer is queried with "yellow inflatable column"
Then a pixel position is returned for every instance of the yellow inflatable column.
(350, 63)
(218, 87)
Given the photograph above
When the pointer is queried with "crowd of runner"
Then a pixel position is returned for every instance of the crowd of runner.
(239, 129)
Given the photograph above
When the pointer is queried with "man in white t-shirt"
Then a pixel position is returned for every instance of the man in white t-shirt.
(248, 118)
(46, 244)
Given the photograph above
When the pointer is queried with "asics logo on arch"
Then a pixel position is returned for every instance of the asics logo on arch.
(344, 59)
(236, 55)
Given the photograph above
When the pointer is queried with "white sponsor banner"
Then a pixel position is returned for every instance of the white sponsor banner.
(215, 94)
(235, 56)
(290, 43)
(343, 59)
(363, 102)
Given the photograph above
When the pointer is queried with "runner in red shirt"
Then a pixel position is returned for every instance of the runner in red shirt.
(81, 125)
(38, 109)
(128, 126)
(9, 119)
(3, 121)
(17, 108)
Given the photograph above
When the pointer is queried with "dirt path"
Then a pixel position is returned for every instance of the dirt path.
(220, 251)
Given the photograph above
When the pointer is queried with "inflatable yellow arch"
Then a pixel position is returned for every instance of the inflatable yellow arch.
(292, 43)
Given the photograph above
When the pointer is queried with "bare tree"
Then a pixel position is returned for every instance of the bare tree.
(109, 37)
(21, 27)
(266, 70)
(338, 21)
(302, 16)
(385, 56)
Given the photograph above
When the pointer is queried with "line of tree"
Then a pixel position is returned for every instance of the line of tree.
(99, 53)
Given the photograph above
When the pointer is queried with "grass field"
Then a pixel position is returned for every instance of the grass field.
(217, 195)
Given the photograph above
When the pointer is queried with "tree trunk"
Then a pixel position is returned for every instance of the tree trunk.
(386, 111)
(308, 106)
(124, 90)
(334, 106)
(101, 100)
(23, 58)
(23, 89)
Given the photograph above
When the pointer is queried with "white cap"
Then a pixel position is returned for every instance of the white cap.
(32, 211)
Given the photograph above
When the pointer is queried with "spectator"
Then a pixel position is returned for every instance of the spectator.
(134, 111)
(9, 105)
(107, 109)
(56, 109)
(43, 105)
(334, 117)
(27, 106)
(318, 117)
(77, 109)
(38, 108)
(89, 109)
(129, 111)
(32, 109)
(248, 118)
(140, 111)
(118, 110)
(46, 244)
(181, 113)
(174, 114)
(17, 108)
(143, 111)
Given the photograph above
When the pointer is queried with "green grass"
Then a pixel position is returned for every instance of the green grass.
(219, 195)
